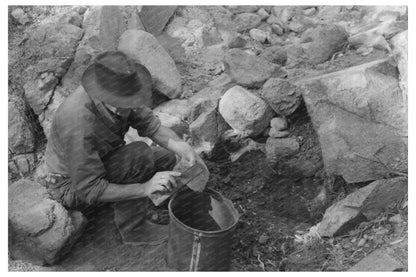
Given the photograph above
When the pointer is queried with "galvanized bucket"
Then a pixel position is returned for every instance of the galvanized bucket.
(200, 231)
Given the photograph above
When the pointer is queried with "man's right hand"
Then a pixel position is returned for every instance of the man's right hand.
(161, 182)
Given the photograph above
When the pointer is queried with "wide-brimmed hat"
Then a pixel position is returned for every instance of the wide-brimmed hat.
(117, 80)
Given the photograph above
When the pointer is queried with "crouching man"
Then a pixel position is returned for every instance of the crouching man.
(86, 156)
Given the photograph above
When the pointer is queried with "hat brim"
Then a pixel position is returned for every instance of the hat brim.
(141, 97)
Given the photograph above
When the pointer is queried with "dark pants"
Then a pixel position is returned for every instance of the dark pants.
(135, 163)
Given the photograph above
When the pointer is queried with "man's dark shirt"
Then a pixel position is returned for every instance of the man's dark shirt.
(84, 131)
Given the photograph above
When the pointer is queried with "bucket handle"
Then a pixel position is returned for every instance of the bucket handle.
(196, 252)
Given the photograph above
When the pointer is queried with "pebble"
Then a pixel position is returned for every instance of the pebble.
(277, 29)
(258, 35)
(20, 16)
(278, 123)
(263, 239)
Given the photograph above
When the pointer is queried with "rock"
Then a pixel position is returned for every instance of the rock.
(278, 123)
(71, 17)
(262, 13)
(237, 42)
(396, 219)
(145, 49)
(296, 26)
(277, 29)
(134, 21)
(277, 149)
(173, 46)
(103, 26)
(210, 36)
(42, 230)
(80, 9)
(22, 164)
(21, 135)
(383, 13)
(20, 16)
(174, 114)
(155, 18)
(385, 193)
(258, 35)
(263, 239)
(275, 54)
(326, 40)
(242, 9)
(245, 112)
(283, 96)
(363, 134)
(278, 134)
(309, 12)
(378, 260)
(284, 13)
(246, 21)
(365, 203)
(248, 70)
(328, 13)
(247, 145)
(399, 46)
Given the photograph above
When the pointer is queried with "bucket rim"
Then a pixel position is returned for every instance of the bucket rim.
(201, 232)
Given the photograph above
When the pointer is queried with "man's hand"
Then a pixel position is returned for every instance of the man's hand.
(161, 182)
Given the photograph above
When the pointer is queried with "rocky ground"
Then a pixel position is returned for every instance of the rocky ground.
(275, 160)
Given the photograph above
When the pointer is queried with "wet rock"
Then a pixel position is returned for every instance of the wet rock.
(326, 40)
(378, 260)
(248, 70)
(258, 35)
(245, 112)
(242, 9)
(262, 13)
(21, 136)
(279, 148)
(20, 16)
(145, 49)
(365, 203)
(155, 18)
(246, 21)
(42, 230)
(283, 96)
(399, 45)
(360, 143)
(275, 54)
(72, 17)
(103, 26)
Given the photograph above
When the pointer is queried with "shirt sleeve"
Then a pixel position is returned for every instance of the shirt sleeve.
(144, 121)
(85, 167)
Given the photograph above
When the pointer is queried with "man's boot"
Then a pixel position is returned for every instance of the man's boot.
(130, 219)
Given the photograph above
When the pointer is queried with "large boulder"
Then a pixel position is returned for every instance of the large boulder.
(103, 26)
(399, 46)
(144, 48)
(364, 204)
(361, 120)
(42, 230)
(282, 95)
(325, 40)
(245, 112)
(249, 70)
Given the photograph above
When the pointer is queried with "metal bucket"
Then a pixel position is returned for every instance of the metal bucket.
(200, 231)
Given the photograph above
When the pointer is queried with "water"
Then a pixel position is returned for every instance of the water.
(205, 211)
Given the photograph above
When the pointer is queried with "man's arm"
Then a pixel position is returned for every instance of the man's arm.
(168, 139)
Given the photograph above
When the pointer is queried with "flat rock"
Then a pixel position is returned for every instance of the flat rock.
(145, 49)
(248, 70)
(326, 40)
(364, 204)
(155, 18)
(246, 21)
(362, 133)
(42, 230)
(282, 95)
(245, 112)
(378, 260)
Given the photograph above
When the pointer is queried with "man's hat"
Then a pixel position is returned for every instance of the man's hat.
(117, 80)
